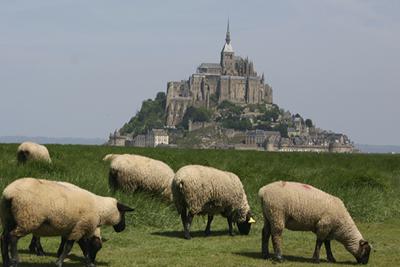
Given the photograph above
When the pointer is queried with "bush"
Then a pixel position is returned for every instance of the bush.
(195, 115)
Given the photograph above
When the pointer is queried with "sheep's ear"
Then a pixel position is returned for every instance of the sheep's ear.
(122, 207)
(363, 242)
(251, 220)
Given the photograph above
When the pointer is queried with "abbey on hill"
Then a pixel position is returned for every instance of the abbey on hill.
(224, 105)
(233, 79)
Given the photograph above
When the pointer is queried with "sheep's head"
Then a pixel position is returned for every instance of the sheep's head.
(119, 227)
(363, 252)
(244, 227)
(94, 245)
(23, 156)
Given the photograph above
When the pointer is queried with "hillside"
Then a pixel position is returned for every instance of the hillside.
(368, 184)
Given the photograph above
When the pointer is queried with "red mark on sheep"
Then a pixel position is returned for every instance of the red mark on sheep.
(306, 186)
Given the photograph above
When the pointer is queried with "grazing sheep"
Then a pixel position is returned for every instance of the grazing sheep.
(132, 172)
(110, 157)
(49, 208)
(301, 207)
(205, 190)
(96, 241)
(32, 151)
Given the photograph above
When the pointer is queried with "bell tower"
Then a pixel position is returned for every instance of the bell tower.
(227, 55)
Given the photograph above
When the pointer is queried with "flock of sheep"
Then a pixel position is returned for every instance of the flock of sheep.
(50, 208)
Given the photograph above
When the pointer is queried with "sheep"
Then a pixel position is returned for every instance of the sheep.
(205, 190)
(32, 151)
(95, 241)
(132, 172)
(302, 207)
(110, 157)
(49, 208)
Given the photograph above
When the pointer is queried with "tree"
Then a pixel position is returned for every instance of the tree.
(196, 115)
(151, 115)
(309, 123)
(283, 129)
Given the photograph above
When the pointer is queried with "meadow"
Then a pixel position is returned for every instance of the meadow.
(369, 185)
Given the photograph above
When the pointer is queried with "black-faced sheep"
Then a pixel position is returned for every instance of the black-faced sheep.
(49, 208)
(28, 151)
(204, 190)
(132, 172)
(301, 207)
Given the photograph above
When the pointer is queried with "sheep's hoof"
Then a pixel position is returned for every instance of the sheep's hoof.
(279, 258)
(231, 233)
(40, 253)
(207, 233)
(188, 237)
(266, 256)
(315, 260)
(331, 259)
(90, 265)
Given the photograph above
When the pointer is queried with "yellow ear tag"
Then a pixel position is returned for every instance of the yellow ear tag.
(251, 220)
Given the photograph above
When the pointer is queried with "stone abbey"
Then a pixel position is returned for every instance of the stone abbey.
(233, 79)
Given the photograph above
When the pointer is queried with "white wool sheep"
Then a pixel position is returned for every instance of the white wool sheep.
(110, 157)
(302, 207)
(32, 151)
(133, 172)
(205, 190)
(94, 242)
(49, 208)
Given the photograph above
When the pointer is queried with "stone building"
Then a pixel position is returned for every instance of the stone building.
(233, 78)
(116, 139)
(157, 137)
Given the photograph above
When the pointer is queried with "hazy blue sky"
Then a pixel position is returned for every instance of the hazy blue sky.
(82, 68)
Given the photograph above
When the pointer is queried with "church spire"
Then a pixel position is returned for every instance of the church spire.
(228, 34)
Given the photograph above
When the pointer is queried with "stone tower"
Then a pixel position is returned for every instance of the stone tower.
(227, 55)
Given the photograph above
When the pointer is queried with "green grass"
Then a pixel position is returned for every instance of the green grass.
(368, 184)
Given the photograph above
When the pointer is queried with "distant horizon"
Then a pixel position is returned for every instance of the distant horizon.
(83, 69)
(368, 148)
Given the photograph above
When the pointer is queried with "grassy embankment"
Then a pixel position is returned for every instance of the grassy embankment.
(368, 184)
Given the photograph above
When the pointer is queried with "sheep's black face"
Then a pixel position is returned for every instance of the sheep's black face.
(122, 209)
(121, 225)
(244, 227)
(112, 180)
(23, 156)
(365, 250)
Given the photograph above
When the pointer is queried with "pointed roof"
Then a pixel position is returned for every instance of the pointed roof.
(228, 46)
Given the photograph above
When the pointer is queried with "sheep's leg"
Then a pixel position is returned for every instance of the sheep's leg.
(328, 249)
(230, 222)
(207, 232)
(184, 219)
(67, 248)
(277, 242)
(36, 247)
(266, 233)
(84, 245)
(61, 247)
(189, 220)
(4, 249)
(13, 250)
(317, 250)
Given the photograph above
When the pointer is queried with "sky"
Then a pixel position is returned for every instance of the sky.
(82, 68)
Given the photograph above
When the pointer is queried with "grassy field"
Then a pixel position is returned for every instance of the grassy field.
(368, 184)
